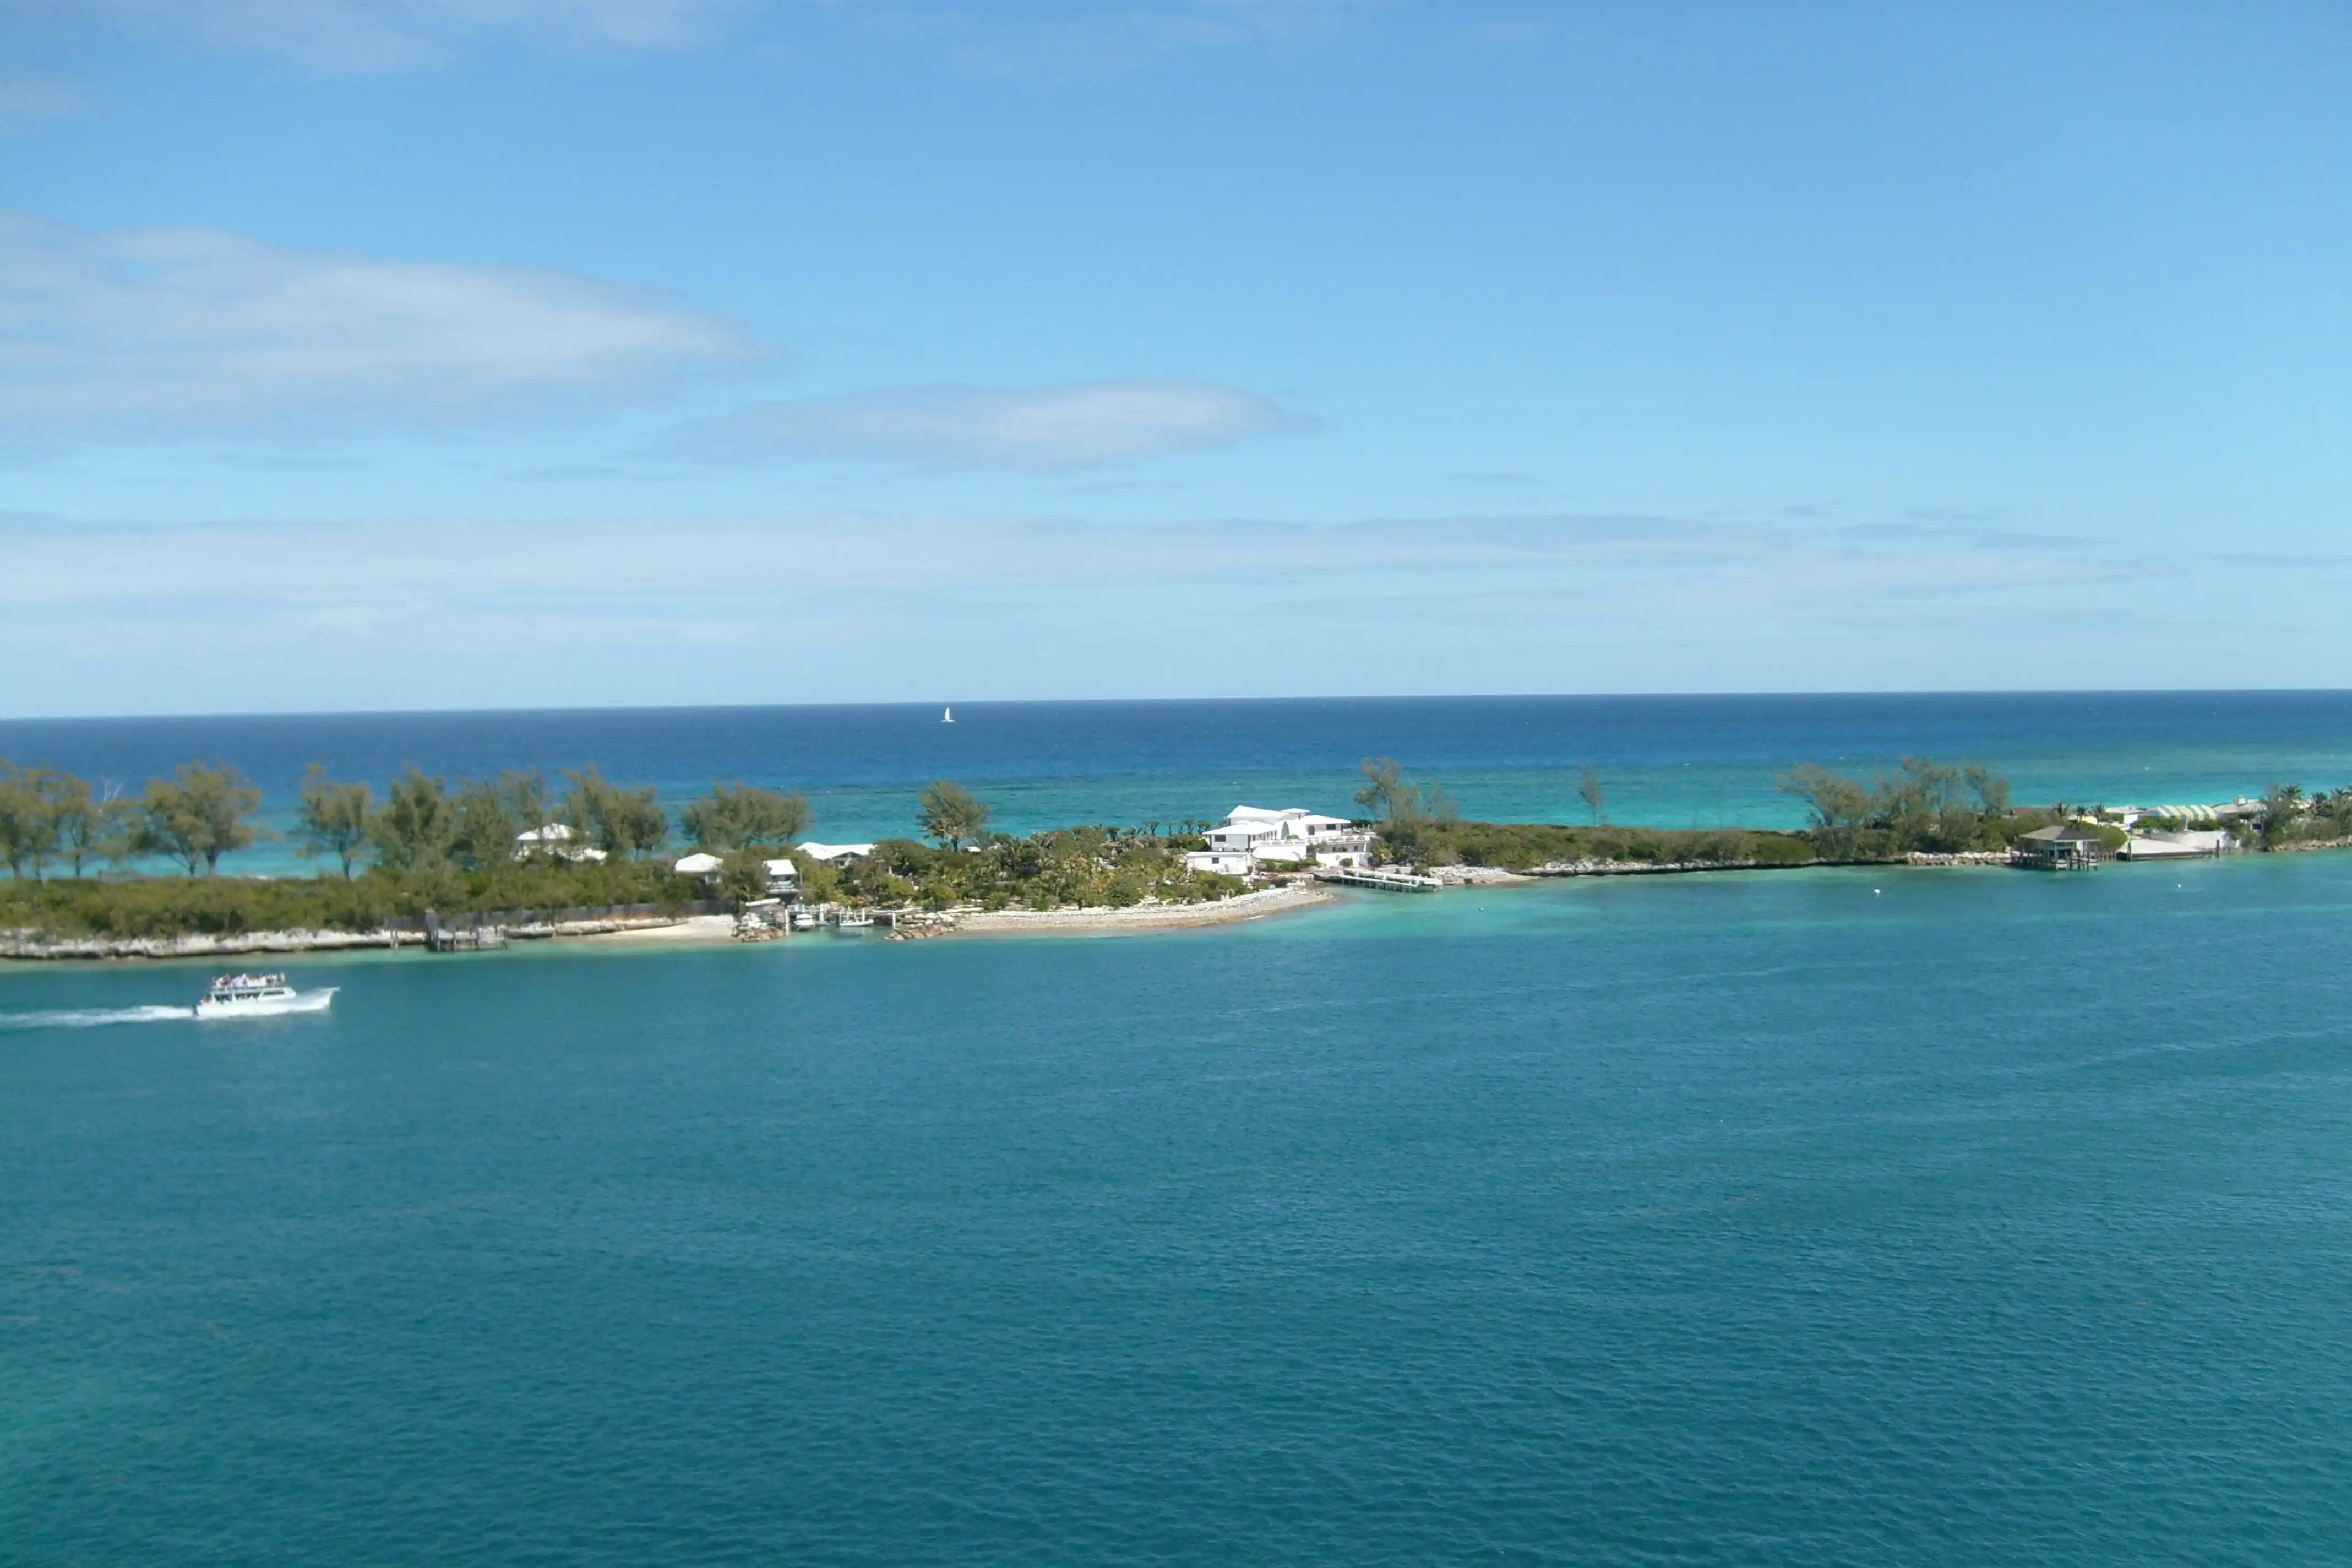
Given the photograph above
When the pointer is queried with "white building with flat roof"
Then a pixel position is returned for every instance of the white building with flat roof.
(1254, 838)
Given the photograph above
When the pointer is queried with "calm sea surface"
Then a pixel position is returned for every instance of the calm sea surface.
(1670, 761)
(1809, 1217)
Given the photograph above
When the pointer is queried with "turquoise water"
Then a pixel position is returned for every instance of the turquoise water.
(1812, 1218)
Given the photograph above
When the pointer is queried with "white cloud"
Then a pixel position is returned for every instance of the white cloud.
(359, 36)
(1083, 424)
(750, 609)
(177, 332)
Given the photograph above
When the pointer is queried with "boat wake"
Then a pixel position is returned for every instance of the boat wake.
(93, 1017)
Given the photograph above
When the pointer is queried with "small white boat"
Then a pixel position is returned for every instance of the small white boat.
(947, 715)
(259, 996)
(856, 920)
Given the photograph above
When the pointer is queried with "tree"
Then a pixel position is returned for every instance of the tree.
(1388, 796)
(411, 832)
(333, 818)
(1835, 800)
(616, 820)
(2281, 809)
(1991, 791)
(482, 827)
(1587, 789)
(28, 819)
(738, 816)
(92, 825)
(743, 874)
(198, 815)
(951, 813)
(524, 792)
(1382, 779)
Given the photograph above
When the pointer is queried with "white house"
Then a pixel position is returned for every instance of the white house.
(836, 854)
(1253, 838)
(554, 840)
(784, 875)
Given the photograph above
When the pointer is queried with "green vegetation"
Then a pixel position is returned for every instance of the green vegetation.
(226, 906)
(616, 820)
(1083, 866)
(1588, 790)
(951, 813)
(334, 818)
(1522, 846)
(197, 816)
(740, 816)
(1924, 806)
(2290, 819)
(1412, 818)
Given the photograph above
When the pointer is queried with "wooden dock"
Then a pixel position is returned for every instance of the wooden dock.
(1385, 879)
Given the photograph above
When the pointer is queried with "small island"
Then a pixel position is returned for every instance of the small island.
(493, 861)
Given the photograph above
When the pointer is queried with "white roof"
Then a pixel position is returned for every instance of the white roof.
(782, 870)
(836, 851)
(552, 833)
(696, 865)
(1241, 814)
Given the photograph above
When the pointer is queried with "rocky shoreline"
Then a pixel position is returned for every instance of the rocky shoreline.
(664, 929)
(34, 946)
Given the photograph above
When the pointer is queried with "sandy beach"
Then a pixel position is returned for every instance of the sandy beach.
(1143, 917)
(690, 929)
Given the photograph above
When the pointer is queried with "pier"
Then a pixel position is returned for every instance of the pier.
(1385, 879)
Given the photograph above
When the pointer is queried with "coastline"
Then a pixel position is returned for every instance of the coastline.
(683, 931)
(1141, 917)
(21, 945)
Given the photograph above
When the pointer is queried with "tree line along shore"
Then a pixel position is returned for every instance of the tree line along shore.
(82, 859)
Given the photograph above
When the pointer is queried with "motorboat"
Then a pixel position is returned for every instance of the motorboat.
(260, 996)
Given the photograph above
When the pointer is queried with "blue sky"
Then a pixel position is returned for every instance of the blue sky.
(741, 351)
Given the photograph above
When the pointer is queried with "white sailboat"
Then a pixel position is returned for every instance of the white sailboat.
(947, 716)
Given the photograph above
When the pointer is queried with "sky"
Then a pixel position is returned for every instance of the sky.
(484, 353)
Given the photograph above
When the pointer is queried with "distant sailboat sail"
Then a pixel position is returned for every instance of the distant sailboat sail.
(947, 716)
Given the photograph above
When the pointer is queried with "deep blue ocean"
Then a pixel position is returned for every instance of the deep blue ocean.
(1669, 761)
(1828, 1216)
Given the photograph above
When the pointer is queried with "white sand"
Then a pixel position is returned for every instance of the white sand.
(692, 928)
(1143, 917)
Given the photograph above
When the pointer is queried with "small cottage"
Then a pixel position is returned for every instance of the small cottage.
(2063, 847)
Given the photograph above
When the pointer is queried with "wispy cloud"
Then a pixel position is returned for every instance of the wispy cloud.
(177, 332)
(719, 609)
(1044, 428)
(337, 37)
